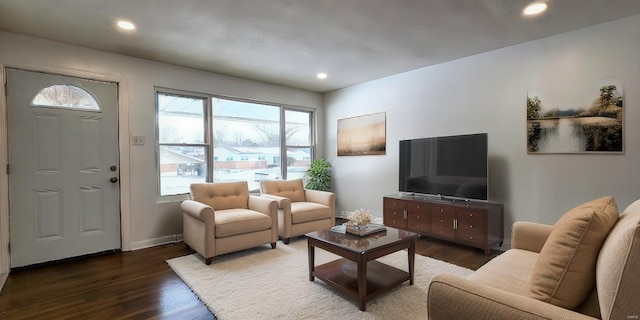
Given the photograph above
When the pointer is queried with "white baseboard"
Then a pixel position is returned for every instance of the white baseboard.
(137, 245)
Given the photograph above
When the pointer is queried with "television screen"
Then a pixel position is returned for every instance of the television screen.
(452, 166)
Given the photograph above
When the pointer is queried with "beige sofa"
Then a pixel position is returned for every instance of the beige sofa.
(300, 210)
(602, 282)
(223, 217)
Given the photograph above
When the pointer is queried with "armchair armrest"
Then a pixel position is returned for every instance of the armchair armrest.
(198, 223)
(269, 207)
(529, 235)
(264, 205)
(452, 297)
(282, 201)
(198, 210)
(321, 197)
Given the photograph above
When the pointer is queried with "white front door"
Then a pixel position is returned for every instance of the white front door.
(64, 194)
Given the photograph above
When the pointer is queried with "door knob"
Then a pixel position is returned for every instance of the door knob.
(113, 179)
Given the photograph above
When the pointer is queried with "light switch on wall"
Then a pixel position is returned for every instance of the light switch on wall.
(138, 140)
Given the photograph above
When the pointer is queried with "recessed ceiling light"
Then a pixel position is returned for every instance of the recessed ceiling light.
(126, 25)
(321, 75)
(535, 8)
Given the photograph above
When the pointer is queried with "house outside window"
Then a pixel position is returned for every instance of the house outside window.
(230, 140)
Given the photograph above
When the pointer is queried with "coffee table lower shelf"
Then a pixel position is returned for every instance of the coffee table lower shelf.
(342, 275)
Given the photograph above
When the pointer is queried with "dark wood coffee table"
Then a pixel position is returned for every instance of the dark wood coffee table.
(358, 274)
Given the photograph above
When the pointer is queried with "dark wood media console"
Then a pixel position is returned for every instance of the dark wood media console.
(472, 223)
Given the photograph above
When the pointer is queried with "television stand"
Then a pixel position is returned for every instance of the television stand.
(477, 224)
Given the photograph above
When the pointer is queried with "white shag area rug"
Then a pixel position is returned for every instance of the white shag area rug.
(265, 283)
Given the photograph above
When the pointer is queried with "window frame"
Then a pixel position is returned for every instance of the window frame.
(207, 140)
(209, 132)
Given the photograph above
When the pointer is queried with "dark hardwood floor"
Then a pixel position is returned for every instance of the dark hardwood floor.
(140, 285)
(127, 285)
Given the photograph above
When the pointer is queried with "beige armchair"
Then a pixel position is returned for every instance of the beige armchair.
(223, 217)
(300, 210)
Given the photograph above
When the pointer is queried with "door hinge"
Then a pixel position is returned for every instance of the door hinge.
(7, 169)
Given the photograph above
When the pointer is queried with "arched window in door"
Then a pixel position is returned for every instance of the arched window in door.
(65, 96)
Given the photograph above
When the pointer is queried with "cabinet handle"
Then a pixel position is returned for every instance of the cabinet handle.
(470, 214)
(404, 214)
(470, 227)
(470, 238)
(441, 210)
(441, 221)
(455, 224)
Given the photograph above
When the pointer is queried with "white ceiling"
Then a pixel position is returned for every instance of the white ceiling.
(287, 42)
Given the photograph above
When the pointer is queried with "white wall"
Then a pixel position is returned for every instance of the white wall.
(152, 222)
(487, 93)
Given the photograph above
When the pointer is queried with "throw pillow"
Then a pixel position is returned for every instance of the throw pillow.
(564, 273)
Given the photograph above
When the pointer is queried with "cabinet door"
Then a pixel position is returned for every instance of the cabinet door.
(442, 221)
(394, 218)
(418, 217)
(393, 213)
(472, 226)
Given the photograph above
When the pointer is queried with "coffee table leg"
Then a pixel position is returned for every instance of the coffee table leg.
(311, 250)
(362, 281)
(411, 253)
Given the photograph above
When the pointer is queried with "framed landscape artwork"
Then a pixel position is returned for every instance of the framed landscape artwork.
(362, 135)
(581, 119)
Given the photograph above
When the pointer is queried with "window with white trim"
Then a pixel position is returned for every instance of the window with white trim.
(183, 146)
(212, 138)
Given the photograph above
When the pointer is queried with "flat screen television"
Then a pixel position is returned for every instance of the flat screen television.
(451, 167)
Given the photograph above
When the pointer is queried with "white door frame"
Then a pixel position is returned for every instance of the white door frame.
(123, 145)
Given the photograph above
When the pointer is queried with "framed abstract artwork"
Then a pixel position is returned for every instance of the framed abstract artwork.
(362, 135)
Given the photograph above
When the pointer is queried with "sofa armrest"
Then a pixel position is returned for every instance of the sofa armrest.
(321, 197)
(529, 235)
(452, 297)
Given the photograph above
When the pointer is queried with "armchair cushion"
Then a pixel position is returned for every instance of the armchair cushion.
(308, 211)
(225, 195)
(291, 189)
(565, 271)
(232, 222)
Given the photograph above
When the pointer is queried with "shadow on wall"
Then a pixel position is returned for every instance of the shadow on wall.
(499, 188)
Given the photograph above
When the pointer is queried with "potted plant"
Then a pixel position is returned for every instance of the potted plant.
(319, 175)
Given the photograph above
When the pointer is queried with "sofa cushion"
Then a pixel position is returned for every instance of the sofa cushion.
(292, 189)
(617, 271)
(510, 271)
(564, 273)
